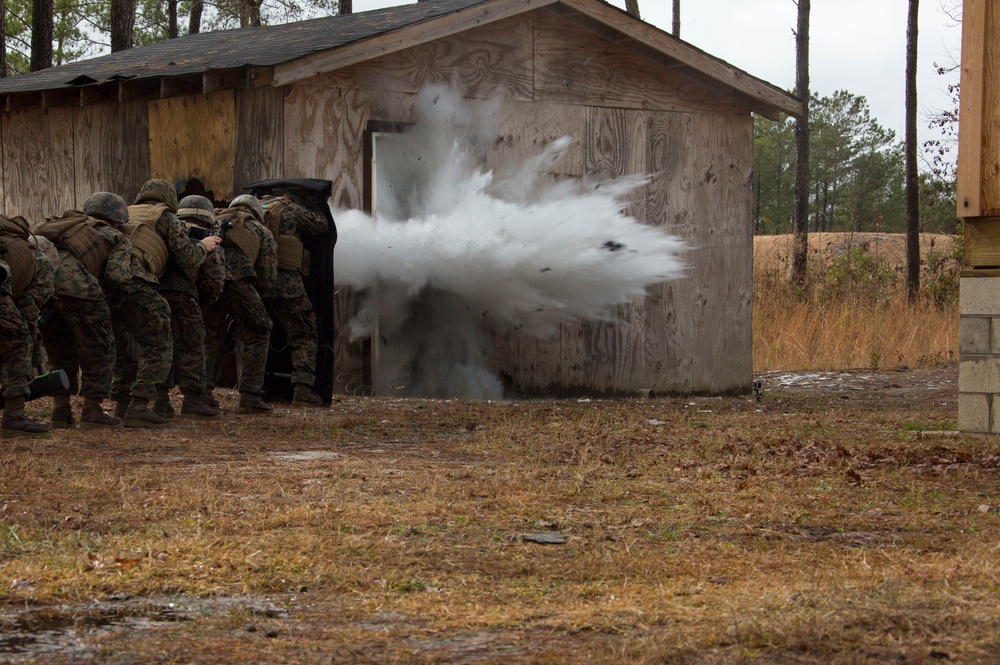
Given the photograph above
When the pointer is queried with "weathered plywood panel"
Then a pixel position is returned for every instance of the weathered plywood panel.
(975, 73)
(710, 195)
(990, 128)
(259, 136)
(605, 357)
(38, 163)
(194, 137)
(3, 180)
(492, 61)
(575, 66)
(112, 149)
(324, 138)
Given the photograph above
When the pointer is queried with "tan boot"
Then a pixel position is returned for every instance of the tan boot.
(62, 413)
(94, 416)
(15, 423)
(251, 404)
(139, 415)
(304, 396)
(161, 405)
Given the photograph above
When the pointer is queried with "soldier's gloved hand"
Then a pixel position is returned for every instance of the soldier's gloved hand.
(210, 243)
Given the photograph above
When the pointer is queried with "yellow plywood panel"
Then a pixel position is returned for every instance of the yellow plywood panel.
(194, 137)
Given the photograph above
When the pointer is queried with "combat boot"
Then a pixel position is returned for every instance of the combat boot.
(121, 406)
(251, 404)
(62, 413)
(195, 407)
(139, 415)
(16, 423)
(161, 404)
(94, 416)
(304, 396)
(208, 398)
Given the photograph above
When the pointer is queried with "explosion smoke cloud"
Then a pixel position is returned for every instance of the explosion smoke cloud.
(477, 257)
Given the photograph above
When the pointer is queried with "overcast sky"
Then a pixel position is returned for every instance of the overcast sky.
(855, 45)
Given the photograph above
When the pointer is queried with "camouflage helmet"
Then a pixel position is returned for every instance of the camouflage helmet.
(159, 191)
(251, 203)
(107, 206)
(199, 208)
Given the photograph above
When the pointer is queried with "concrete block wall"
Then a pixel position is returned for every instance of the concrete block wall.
(979, 348)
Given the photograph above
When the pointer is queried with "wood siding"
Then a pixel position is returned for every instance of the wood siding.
(688, 336)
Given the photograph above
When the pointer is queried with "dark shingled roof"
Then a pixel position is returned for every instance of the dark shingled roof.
(230, 49)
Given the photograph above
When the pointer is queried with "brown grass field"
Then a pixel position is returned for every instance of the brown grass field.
(839, 519)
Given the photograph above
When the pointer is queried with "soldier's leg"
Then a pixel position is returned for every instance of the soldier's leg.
(15, 372)
(60, 347)
(299, 321)
(149, 324)
(255, 333)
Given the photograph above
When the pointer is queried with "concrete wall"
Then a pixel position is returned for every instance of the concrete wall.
(979, 347)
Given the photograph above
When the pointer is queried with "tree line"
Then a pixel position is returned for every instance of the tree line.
(856, 175)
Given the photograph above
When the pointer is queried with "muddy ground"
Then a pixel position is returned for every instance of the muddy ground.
(829, 517)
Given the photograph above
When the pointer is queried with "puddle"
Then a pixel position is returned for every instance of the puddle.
(31, 633)
(50, 629)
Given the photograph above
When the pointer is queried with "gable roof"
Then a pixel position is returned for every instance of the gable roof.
(283, 54)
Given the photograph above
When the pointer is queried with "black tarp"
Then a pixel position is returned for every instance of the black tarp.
(314, 194)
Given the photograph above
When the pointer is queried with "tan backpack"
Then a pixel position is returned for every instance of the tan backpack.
(74, 232)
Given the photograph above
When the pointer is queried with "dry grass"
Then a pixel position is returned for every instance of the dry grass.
(853, 311)
(805, 529)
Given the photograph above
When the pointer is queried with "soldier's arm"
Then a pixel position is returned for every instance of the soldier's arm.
(212, 278)
(118, 269)
(267, 260)
(187, 255)
(306, 220)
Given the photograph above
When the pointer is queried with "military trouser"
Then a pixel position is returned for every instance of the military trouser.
(15, 350)
(242, 304)
(187, 327)
(297, 317)
(79, 340)
(144, 346)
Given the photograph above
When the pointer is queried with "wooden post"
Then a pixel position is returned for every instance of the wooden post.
(978, 196)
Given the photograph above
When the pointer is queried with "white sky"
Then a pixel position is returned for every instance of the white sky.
(855, 45)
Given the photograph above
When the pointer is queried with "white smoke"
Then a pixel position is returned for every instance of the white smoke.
(455, 256)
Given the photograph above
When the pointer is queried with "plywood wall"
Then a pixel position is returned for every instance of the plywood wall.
(627, 116)
(194, 137)
(112, 149)
(38, 163)
(259, 136)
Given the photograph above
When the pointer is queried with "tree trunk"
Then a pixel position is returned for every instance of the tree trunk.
(122, 25)
(3, 38)
(250, 13)
(677, 19)
(194, 21)
(41, 34)
(912, 192)
(345, 7)
(632, 7)
(800, 217)
(171, 19)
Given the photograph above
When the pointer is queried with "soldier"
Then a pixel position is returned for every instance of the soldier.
(142, 320)
(78, 334)
(26, 282)
(287, 300)
(251, 264)
(187, 293)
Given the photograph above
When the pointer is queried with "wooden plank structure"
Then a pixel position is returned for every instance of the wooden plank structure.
(978, 196)
(220, 110)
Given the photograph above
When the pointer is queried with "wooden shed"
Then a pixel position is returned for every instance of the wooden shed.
(217, 111)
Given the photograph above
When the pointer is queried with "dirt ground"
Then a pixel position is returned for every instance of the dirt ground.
(832, 518)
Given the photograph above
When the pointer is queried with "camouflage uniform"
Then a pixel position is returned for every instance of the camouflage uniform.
(144, 315)
(78, 337)
(287, 300)
(240, 302)
(26, 282)
(187, 294)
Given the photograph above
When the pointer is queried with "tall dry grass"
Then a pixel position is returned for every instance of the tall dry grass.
(852, 311)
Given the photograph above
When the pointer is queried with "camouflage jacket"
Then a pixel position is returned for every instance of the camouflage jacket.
(73, 280)
(40, 289)
(296, 220)
(184, 254)
(264, 269)
(212, 277)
